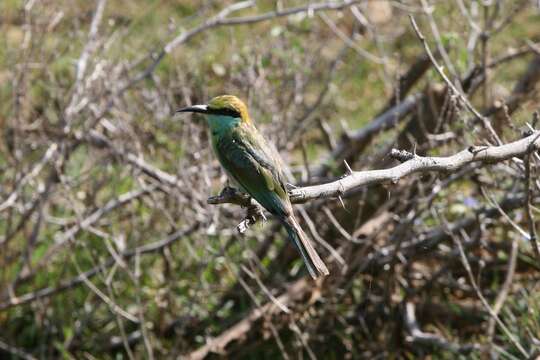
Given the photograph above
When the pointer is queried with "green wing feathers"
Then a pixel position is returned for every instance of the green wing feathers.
(265, 155)
(256, 167)
(249, 165)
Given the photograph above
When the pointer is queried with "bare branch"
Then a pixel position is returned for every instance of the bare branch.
(506, 287)
(413, 164)
(47, 157)
(419, 337)
(451, 85)
(239, 330)
(88, 48)
(485, 155)
(492, 313)
(533, 237)
(83, 276)
(15, 351)
(221, 20)
(353, 142)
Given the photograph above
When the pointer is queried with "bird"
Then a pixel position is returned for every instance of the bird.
(255, 167)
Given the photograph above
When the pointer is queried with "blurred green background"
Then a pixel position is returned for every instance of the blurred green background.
(93, 169)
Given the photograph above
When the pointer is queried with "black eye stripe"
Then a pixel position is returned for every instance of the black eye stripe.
(224, 111)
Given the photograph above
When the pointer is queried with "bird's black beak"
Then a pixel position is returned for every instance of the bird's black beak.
(202, 109)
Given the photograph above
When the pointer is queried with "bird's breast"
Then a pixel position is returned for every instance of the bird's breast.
(224, 144)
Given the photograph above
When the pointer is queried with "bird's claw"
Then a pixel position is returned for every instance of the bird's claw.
(243, 226)
(254, 214)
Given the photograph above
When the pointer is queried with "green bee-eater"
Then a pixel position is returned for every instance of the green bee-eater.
(255, 167)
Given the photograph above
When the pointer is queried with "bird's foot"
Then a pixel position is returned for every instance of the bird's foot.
(254, 214)
(235, 196)
(244, 226)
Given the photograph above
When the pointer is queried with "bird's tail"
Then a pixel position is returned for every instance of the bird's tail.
(314, 264)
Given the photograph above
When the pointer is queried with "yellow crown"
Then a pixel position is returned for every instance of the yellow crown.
(230, 102)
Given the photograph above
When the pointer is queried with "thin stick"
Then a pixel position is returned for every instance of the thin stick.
(483, 300)
(454, 89)
(528, 210)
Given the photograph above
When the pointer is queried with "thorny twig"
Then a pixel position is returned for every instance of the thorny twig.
(412, 164)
